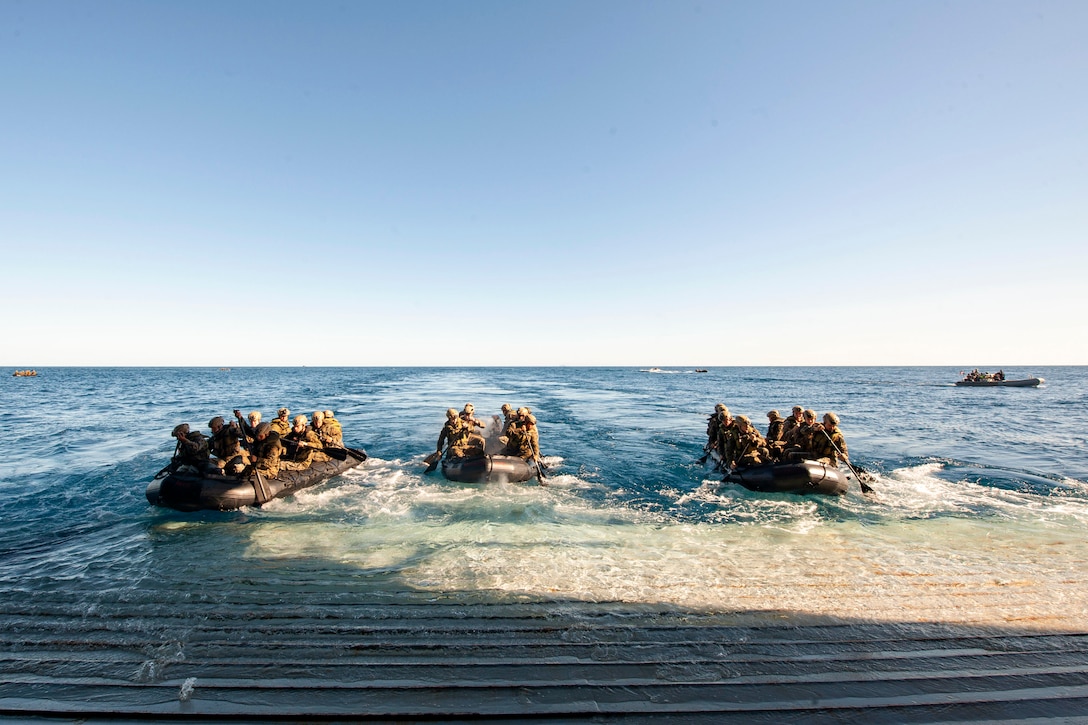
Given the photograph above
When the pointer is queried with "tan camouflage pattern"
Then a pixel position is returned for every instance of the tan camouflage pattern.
(823, 446)
(266, 455)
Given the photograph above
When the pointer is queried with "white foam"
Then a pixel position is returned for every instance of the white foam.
(824, 555)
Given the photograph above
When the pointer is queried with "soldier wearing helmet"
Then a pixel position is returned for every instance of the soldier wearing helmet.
(775, 427)
(266, 450)
(725, 442)
(531, 432)
(518, 441)
(306, 445)
(750, 449)
(473, 443)
(453, 435)
(468, 416)
(828, 443)
(509, 418)
(248, 424)
(796, 419)
(799, 440)
(226, 446)
(332, 433)
(282, 422)
(192, 449)
(712, 425)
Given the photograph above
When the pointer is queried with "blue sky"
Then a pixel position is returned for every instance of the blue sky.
(543, 183)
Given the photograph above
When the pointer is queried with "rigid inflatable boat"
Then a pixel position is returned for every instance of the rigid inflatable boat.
(187, 489)
(487, 469)
(1025, 383)
(801, 477)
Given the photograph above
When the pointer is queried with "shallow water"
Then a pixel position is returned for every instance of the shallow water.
(979, 513)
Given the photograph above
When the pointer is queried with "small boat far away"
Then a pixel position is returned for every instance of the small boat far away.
(1025, 383)
(975, 379)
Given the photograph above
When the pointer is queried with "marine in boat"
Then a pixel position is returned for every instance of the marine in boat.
(248, 467)
(188, 488)
(976, 379)
(802, 477)
(805, 462)
(488, 456)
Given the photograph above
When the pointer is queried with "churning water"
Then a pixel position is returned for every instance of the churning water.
(979, 512)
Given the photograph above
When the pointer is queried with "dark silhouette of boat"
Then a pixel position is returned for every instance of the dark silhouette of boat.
(1024, 383)
(802, 477)
(184, 488)
(487, 469)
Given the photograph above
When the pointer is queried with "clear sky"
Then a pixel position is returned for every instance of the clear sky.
(545, 182)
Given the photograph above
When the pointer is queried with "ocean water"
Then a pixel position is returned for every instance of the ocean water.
(979, 512)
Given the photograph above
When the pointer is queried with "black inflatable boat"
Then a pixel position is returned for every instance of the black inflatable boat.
(801, 477)
(487, 469)
(187, 489)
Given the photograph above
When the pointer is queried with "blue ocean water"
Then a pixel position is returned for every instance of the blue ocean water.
(979, 512)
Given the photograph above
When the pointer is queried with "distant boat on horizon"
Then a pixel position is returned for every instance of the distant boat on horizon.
(1025, 383)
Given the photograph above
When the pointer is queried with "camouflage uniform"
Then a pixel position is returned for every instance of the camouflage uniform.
(266, 455)
(330, 433)
(789, 427)
(193, 451)
(248, 430)
(519, 443)
(226, 447)
(534, 440)
(455, 434)
(824, 443)
(306, 454)
(509, 421)
(281, 426)
(474, 443)
(804, 435)
(532, 433)
(712, 426)
(776, 438)
(750, 450)
(727, 440)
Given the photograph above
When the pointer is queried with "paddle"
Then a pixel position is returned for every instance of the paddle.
(339, 454)
(261, 491)
(357, 453)
(709, 443)
(169, 467)
(864, 488)
(432, 461)
(539, 464)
